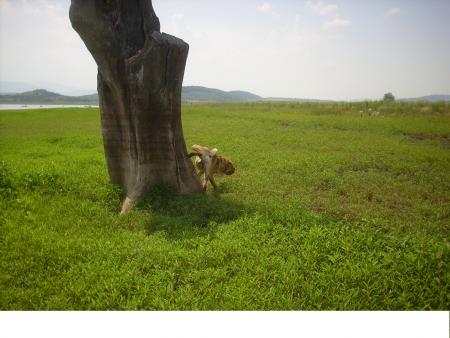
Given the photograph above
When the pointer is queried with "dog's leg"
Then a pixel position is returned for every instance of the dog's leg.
(211, 179)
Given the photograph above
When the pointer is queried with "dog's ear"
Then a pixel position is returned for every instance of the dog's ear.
(200, 150)
(214, 151)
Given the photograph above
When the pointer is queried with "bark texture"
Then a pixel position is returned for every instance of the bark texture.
(140, 75)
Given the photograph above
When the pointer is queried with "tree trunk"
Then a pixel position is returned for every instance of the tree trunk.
(140, 75)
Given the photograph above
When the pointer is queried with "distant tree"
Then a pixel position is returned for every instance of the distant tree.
(388, 97)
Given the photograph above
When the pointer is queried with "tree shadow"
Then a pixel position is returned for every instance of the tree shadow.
(187, 216)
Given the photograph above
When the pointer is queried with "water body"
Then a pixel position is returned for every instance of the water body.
(43, 106)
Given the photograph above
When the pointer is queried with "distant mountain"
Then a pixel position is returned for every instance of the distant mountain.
(290, 99)
(42, 96)
(197, 93)
(189, 94)
(430, 98)
(10, 87)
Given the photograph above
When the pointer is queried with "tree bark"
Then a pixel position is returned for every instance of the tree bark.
(140, 75)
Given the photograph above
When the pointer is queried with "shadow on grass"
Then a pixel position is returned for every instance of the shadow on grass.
(187, 216)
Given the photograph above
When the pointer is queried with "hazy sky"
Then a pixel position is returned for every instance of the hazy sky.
(348, 49)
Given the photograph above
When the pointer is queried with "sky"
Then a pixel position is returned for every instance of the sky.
(339, 50)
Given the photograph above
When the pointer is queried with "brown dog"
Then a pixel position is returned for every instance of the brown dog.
(209, 164)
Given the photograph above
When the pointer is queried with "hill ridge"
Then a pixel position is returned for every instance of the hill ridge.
(189, 94)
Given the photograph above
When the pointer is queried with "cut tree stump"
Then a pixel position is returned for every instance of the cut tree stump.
(140, 75)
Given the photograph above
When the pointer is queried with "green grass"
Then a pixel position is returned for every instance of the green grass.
(329, 208)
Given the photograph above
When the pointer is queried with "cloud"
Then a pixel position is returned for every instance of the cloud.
(331, 12)
(336, 23)
(265, 7)
(392, 12)
(330, 9)
(323, 9)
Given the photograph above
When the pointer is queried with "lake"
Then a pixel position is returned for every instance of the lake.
(43, 106)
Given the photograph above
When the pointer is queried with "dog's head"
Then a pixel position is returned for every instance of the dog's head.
(204, 152)
(207, 156)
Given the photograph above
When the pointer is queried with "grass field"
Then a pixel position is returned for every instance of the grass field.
(329, 208)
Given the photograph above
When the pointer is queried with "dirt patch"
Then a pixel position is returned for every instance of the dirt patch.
(287, 123)
(443, 139)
